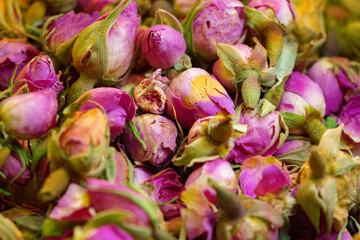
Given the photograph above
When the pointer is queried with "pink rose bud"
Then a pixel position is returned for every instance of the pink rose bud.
(195, 94)
(222, 22)
(117, 104)
(164, 186)
(283, 10)
(261, 175)
(219, 170)
(149, 94)
(58, 38)
(263, 136)
(162, 46)
(300, 93)
(29, 115)
(159, 135)
(350, 117)
(103, 51)
(39, 74)
(12, 52)
(336, 79)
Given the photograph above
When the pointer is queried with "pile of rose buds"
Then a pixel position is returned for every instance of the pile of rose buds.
(179, 119)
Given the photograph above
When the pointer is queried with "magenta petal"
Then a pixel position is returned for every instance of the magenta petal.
(350, 117)
(73, 205)
(184, 115)
(112, 232)
(272, 180)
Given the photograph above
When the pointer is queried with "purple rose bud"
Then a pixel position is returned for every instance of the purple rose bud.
(12, 52)
(283, 10)
(29, 115)
(262, 136)
(164, 186)
(195, 94)
(159, 135)
(58, 38)
(11, 168)
(300, 93)
(261, 175)
(223, 74)
(336, 79)
(222, 22)
(118, 105)
(162, 46)
(149, 94)
(350, 117)
(39, 74)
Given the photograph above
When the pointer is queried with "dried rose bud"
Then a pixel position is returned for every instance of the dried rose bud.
(14, 51)
(117, 104)
(58, 38)
(283, 10)
(222, 74)
(162, 46)
(303, 106)
(39, 74)
(103, 51)
(149, 94)
(29, 115)
(195, 94)
(159, 135)
(164, 186)
(263, 136)
(261, 175)
(336, 79)
(80, 145)
(222, 22)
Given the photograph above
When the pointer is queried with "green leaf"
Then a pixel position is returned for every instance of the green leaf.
(286, 62)
(328, 194)
(187, 24)
(201, 147)
(344, 165)
(267, 31)
(32, 222)
(55, 228)
(293, 120)
(130, 126)
(166, 18)
(308, 199)
(107, 217)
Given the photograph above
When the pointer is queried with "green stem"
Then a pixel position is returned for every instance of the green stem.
(314, 128)
(55, 184)
(80, 86)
